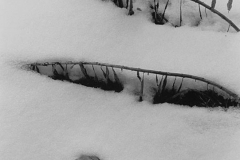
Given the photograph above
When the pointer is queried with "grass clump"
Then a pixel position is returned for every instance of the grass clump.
(105, 83)
(193, 97)
(190, 97)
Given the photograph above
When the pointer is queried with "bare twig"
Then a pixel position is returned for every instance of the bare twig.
(160, 84)
(115, 76)
(200, 13)
(228, 28)
(165, 9)
(157, 79)
(181, 13)
(95, 74)
(174, 84)
(218, 13)
(164, 83)
(142, 87)
(180, 87)
(84, 71)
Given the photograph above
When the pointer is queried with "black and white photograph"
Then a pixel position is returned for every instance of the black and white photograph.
(120, 80)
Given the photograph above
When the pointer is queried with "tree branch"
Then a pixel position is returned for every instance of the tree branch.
(230, 93)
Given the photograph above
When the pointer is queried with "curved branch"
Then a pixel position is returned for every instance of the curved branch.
(230, 93)
(218, 13)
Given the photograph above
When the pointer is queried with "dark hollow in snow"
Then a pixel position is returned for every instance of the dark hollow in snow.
(88, 157)
(164, 88)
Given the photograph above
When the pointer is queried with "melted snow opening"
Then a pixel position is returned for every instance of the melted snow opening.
(154, 86)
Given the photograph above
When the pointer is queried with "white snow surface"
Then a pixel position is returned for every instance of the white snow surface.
(43, 119)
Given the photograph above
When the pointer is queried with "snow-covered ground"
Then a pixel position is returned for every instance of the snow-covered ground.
(52, 120)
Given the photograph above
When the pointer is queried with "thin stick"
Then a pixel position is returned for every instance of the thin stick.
(200, 11)
(66, 72)
(142, 86)
(164, 83)
(107, 74)
(157, 79)
(228, 28)
(160, 84)
(60, 65)
(180, 87)
(84, 71)
(95, 75)
(138, 75)
(165, 9)
(174, 83)
(181, 13)
(104, 74)
(115, 76)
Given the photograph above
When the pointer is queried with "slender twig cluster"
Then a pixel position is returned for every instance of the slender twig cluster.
(212, 9)
(160, 18)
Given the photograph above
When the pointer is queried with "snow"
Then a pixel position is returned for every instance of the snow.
(45, 119)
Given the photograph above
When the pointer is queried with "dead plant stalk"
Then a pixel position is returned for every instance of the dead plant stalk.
(230, 93)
